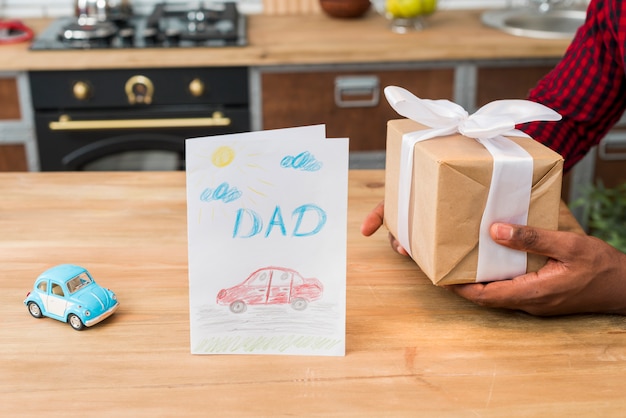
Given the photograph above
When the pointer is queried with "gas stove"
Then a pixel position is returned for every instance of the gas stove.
(209, 25)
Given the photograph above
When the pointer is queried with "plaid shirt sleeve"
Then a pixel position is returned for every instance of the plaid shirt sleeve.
(587, 87)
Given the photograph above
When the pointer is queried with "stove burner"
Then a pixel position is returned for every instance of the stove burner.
(213, 25)
(201, 31)
(97, 31)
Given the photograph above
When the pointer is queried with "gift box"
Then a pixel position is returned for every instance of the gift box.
(450, 182)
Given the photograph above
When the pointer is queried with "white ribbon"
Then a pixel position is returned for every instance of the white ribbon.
(511, 182)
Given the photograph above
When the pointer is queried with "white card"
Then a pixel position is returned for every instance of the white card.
(267, 220)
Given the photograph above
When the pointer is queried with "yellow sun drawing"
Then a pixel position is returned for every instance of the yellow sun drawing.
(223, 156)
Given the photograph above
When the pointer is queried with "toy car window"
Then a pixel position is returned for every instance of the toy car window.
(57, 289)
(43, 286)
(78, 282)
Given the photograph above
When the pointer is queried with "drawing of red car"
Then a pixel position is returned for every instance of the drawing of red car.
(272, 286)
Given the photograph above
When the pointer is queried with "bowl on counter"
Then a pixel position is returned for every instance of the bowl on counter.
(345, 8)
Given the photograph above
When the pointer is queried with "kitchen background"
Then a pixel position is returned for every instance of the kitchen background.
(55, 8)
(17, 132)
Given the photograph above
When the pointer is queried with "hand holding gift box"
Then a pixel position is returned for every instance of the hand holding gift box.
(444, 189)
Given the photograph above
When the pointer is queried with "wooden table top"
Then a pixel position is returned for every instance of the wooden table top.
(413, 349)
(452, 35)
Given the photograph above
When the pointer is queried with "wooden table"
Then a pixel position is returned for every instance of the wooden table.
(413, 349)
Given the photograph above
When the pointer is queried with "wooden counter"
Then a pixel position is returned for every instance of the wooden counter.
(413, 349)
(308, 39)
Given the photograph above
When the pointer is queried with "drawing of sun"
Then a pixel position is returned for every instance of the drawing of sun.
(223, 156)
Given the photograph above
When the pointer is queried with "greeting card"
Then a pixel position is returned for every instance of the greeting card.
(267, 217)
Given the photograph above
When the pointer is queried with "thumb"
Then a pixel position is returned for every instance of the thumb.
(528, 239)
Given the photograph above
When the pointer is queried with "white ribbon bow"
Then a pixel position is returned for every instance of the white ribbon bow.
(511, 182)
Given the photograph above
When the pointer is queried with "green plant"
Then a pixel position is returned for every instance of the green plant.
(605, 211)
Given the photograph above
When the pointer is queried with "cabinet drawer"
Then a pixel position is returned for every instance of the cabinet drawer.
(13, 158)
(10, 109)
(496, 83)
(351, 104)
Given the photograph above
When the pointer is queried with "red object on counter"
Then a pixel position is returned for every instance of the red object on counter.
(14, 31)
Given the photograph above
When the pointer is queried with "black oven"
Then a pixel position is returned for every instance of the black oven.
(133, 119)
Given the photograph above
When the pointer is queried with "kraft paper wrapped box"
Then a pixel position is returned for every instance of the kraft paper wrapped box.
(451, 178)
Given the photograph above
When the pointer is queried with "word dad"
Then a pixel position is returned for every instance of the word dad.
(307, 220)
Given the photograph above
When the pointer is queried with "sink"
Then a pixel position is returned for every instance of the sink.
(553, 24)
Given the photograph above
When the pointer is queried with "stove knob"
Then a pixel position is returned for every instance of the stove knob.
(196, 87)
(81, 90)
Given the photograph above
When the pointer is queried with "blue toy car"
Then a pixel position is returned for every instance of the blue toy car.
(68, 293)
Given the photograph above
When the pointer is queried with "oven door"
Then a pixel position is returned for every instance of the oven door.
(130, 139)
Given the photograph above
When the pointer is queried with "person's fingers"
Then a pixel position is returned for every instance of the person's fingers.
(519, 293)
(373, 221)
(395, 244)
(554, 244)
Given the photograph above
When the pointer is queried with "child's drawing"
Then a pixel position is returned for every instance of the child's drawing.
(272, 286)
(267, 220)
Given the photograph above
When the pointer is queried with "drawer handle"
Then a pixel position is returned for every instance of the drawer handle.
(357, 91)
(66, 124)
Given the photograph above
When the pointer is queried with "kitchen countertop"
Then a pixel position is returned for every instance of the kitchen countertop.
(413, 349)
(307, 39)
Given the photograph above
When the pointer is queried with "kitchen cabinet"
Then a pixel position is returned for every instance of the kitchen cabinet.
(349, 100)
(9, 98)
(508, 80)
(12, 148)
(13, 157)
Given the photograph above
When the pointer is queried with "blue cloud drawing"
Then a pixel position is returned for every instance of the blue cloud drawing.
(305, 161)
(222, 192)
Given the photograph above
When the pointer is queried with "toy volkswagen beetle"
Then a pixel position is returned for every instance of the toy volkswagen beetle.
(68, 293)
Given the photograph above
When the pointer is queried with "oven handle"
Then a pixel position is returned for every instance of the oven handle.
(65, 123)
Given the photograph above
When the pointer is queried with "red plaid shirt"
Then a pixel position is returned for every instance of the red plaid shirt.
(587, 87)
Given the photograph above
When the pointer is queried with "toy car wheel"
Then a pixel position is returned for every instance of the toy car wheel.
(75, 322)
(34, 310)
(238, 306)
(299, 304)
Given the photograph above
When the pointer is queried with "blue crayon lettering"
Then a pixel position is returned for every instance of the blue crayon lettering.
(277, 220)
(256, 224)
(300, 212)
(248, 223)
